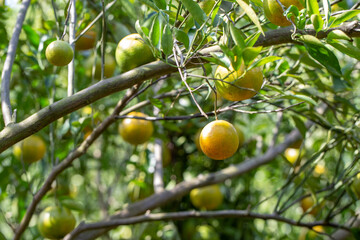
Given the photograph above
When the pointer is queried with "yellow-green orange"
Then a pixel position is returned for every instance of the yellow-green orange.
(56, 222)
(132, 52)
(59, 53)
(31, 149)
(274, 12)
(205, 232)
(240, 87)
(136, 131)
(209, 197)
(292, 155)
(307, 203)
(86, 41)
(241, 136)
(219, 140)
(109, 66)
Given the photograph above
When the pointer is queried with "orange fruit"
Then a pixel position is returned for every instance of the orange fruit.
(253, 80)
(274, 12)
(205, 232)
(308, 203)
(209, 197)
(132, 52)
(109, 66)
(136, 131)
(219, 140)
(59, 53)
(56, 222)
(31, 149)
(86, 41)
(292, 154)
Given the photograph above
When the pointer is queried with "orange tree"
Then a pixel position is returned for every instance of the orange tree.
(310, 86)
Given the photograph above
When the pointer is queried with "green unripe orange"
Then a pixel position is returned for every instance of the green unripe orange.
(59, 53)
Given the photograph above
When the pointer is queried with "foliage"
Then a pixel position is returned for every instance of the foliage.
(306, 79)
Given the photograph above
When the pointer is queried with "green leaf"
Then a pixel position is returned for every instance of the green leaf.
(167, 41)
(237, 36)
(196, 12)
(346, 48)
(317, 22)
(160, 4)
(151, 4)
(327, 10)
(301, 98)
(338, 34)
(219, 59)
(251, 14)
(313, 7)
(251, 40)
(322, 54)
(264, 61)
(250, 53)
(344, 17)
(156, 102)
(338, 84)
(2, 237)
(156, 30)
(182, 37)
(300, 125)
(32, 36)
(72, 204)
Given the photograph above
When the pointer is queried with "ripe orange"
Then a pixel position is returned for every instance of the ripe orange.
(253, 80)
(86, 41)
(59, 53)
(132, 52)
(31, 149)
(219, 140)
(56, 222)
(136, 131)
(209, 197)
(274, 12)
(109, 66)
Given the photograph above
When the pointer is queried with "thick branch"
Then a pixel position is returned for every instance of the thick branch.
(185, 187)
(194, 214)
(15, 133)
(9, 61)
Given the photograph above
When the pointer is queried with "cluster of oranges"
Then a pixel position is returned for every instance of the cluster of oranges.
(218, 140)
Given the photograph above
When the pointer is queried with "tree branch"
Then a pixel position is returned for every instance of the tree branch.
(159, 199)
(72, 33)
(68, 160)
(16, 132)
(9, 61)
(195, 214)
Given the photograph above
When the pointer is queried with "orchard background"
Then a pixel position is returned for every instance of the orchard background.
(309, 102)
